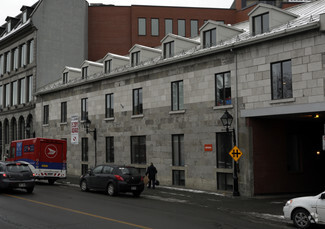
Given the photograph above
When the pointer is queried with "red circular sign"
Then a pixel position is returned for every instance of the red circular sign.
(51, 151)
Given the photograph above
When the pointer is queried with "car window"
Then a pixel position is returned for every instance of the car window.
(128, 171)
(18, 168)
(107, 170)
(98, 169)
(1, 168)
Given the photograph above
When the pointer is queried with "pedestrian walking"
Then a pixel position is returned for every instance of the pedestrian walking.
(151, 172)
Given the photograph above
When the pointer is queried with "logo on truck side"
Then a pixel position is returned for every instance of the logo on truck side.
(51, 151)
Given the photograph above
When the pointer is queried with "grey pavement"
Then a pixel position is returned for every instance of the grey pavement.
(258, 207)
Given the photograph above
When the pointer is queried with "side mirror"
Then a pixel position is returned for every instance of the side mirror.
(322, 197)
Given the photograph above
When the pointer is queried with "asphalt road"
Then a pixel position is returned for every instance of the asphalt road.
(61, 206)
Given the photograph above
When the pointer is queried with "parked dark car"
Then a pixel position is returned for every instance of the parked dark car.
(16, 175)
(113, 179)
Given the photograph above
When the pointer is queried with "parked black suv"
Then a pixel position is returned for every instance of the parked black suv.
(16, 175)
(113, 179)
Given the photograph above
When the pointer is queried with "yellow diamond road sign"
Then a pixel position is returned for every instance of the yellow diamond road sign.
(235, 153)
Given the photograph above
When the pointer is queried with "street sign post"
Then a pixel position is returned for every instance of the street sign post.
(235, 153)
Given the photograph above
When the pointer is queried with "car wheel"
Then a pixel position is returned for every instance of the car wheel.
(136, 194)
(111, 191)
(301, 218)
(84, 186)
(30, 190)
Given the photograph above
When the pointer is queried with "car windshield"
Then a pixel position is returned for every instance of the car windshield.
(128, 171)
(18, 168)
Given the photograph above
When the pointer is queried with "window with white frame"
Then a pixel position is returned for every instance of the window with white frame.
(169, 49)
(142, 27)
(209, 38)
(177, 96)
(281, 77)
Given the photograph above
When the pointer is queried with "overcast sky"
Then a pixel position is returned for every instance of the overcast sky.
(12, 7)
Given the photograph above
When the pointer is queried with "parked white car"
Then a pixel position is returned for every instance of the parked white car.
(306, 210)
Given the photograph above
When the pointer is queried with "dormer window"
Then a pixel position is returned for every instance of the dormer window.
(65, 77)
(108, 66)
(8, 26)
(209, 38)
(169, 49)
(261, 24)
(84, 72)
(135, 58)
(24, 18)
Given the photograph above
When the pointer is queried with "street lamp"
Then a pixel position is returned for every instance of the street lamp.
(226, 120)
(87, 123)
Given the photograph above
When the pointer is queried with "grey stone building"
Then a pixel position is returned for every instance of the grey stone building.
(34, 46)
(164, 105)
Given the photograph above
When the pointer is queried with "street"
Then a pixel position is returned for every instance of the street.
(62, 206)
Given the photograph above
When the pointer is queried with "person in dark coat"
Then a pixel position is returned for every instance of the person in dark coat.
(151, 172)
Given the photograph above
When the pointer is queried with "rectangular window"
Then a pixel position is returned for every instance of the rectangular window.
(24, 16)
(2, 65)
(168, 26)
(179, 177)
(261, 24)
(1, 97)
(7, 95)
(31, 51)
(84, 149)
(281, 76)
(178, 150)
(8, 26)
(63, 112)
(46, 114)
(223, 89)
(137, 101)
(23, 53)
(225, 181)
(209, 38)
(65, 78)
(30, 88)
(22, 91)
(135, 58)
(177, 96)
(142, 26)
(108, 66)
(110, 149)
(181, 27)
(109, 106)
(169, 49)
(223, 147)
(138, 150)
(194, 28)
(14, 95)
(84, 72)
(154, 27)
(84, 109)
(8, 61)
(16, 58)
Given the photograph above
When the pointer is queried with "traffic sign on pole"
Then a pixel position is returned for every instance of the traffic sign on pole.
(235, 153)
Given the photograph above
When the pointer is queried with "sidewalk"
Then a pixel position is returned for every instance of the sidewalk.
(263, 207)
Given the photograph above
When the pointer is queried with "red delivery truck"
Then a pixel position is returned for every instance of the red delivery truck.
(47, 157)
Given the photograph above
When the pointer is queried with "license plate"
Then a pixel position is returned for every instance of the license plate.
(133, 188)
(21, 185)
